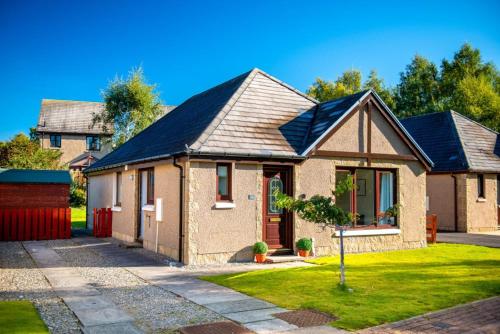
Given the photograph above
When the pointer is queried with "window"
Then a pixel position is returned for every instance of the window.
(55, 141)
(151, 186)
(223, 181)
(373, 194)
(480, 186)
(93, 143)
(118, 189)
(385, 196)
(274, 184)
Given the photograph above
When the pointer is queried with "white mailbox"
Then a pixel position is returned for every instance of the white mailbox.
(159, 210)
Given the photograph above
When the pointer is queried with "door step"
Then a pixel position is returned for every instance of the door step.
(285, 258)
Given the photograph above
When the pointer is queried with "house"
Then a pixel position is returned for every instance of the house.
(67, 126)
(463, 187)
(198, 185)
(27, 188)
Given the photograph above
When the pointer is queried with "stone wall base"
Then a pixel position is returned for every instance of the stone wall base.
(244, 255)
(369, 244)
(359, 244)
(123, 237)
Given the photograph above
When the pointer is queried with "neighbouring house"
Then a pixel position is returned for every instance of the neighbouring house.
(209, 169)
(28, 188)
(67, 126)
(463, 187)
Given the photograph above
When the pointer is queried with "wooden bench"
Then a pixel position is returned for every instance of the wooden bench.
(431, 228)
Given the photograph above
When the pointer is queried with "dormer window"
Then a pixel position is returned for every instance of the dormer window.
(93, 143)
(55, 141)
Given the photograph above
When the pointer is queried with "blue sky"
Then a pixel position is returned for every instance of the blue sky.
(71, 49)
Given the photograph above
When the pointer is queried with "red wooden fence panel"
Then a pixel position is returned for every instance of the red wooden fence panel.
(431, 228)
(103, 221)
(18, 224)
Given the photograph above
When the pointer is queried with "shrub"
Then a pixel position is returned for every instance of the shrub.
(260, 248)
(77, 196)
(304, 244)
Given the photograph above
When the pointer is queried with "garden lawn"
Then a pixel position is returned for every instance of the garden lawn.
(387, 286)
(20, 317)
(78, 217)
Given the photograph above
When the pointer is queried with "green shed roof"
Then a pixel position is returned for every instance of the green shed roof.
(34, 176)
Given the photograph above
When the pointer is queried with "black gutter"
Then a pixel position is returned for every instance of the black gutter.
(192, 153)
(181, 208)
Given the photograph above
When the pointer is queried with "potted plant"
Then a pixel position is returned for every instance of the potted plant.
(304, 246)
(392, 212)
(260, 250)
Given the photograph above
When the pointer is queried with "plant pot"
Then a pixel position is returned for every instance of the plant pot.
(303, 253)
(260, 258)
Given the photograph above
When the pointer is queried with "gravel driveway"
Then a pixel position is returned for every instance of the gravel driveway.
(154, 310)
(21, 280)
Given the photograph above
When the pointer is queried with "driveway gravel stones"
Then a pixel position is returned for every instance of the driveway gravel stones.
(20, 279)
(154, 310)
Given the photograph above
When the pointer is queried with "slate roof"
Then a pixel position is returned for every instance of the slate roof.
(176, 130)
(62, 116)
(328, 113)
(65, 116)
(83, 160)
(455, 143)
(34, 176)
(252, 115)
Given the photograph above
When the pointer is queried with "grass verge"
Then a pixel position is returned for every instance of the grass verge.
(78, 217)
(20, 317)
(386, 287)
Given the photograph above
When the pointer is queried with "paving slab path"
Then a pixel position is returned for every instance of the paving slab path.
(96, 313)
(253, 313)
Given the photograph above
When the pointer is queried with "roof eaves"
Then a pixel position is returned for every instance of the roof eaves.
(92, 169)
(247, 155)
(351, 108)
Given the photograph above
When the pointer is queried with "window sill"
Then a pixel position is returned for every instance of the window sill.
(116, 208)
(481, 200)
(225, 205)
(148, 207)
(367, 232)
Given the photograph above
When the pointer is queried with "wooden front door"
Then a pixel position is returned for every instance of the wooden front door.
(277, 223)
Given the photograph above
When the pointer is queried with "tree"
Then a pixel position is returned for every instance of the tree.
(467, 62)
(418, 89)
(377, 84)
(476, 98)
(23, 153)
(348, 83)
(324, 211)
(131, 105)
(471, 87)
